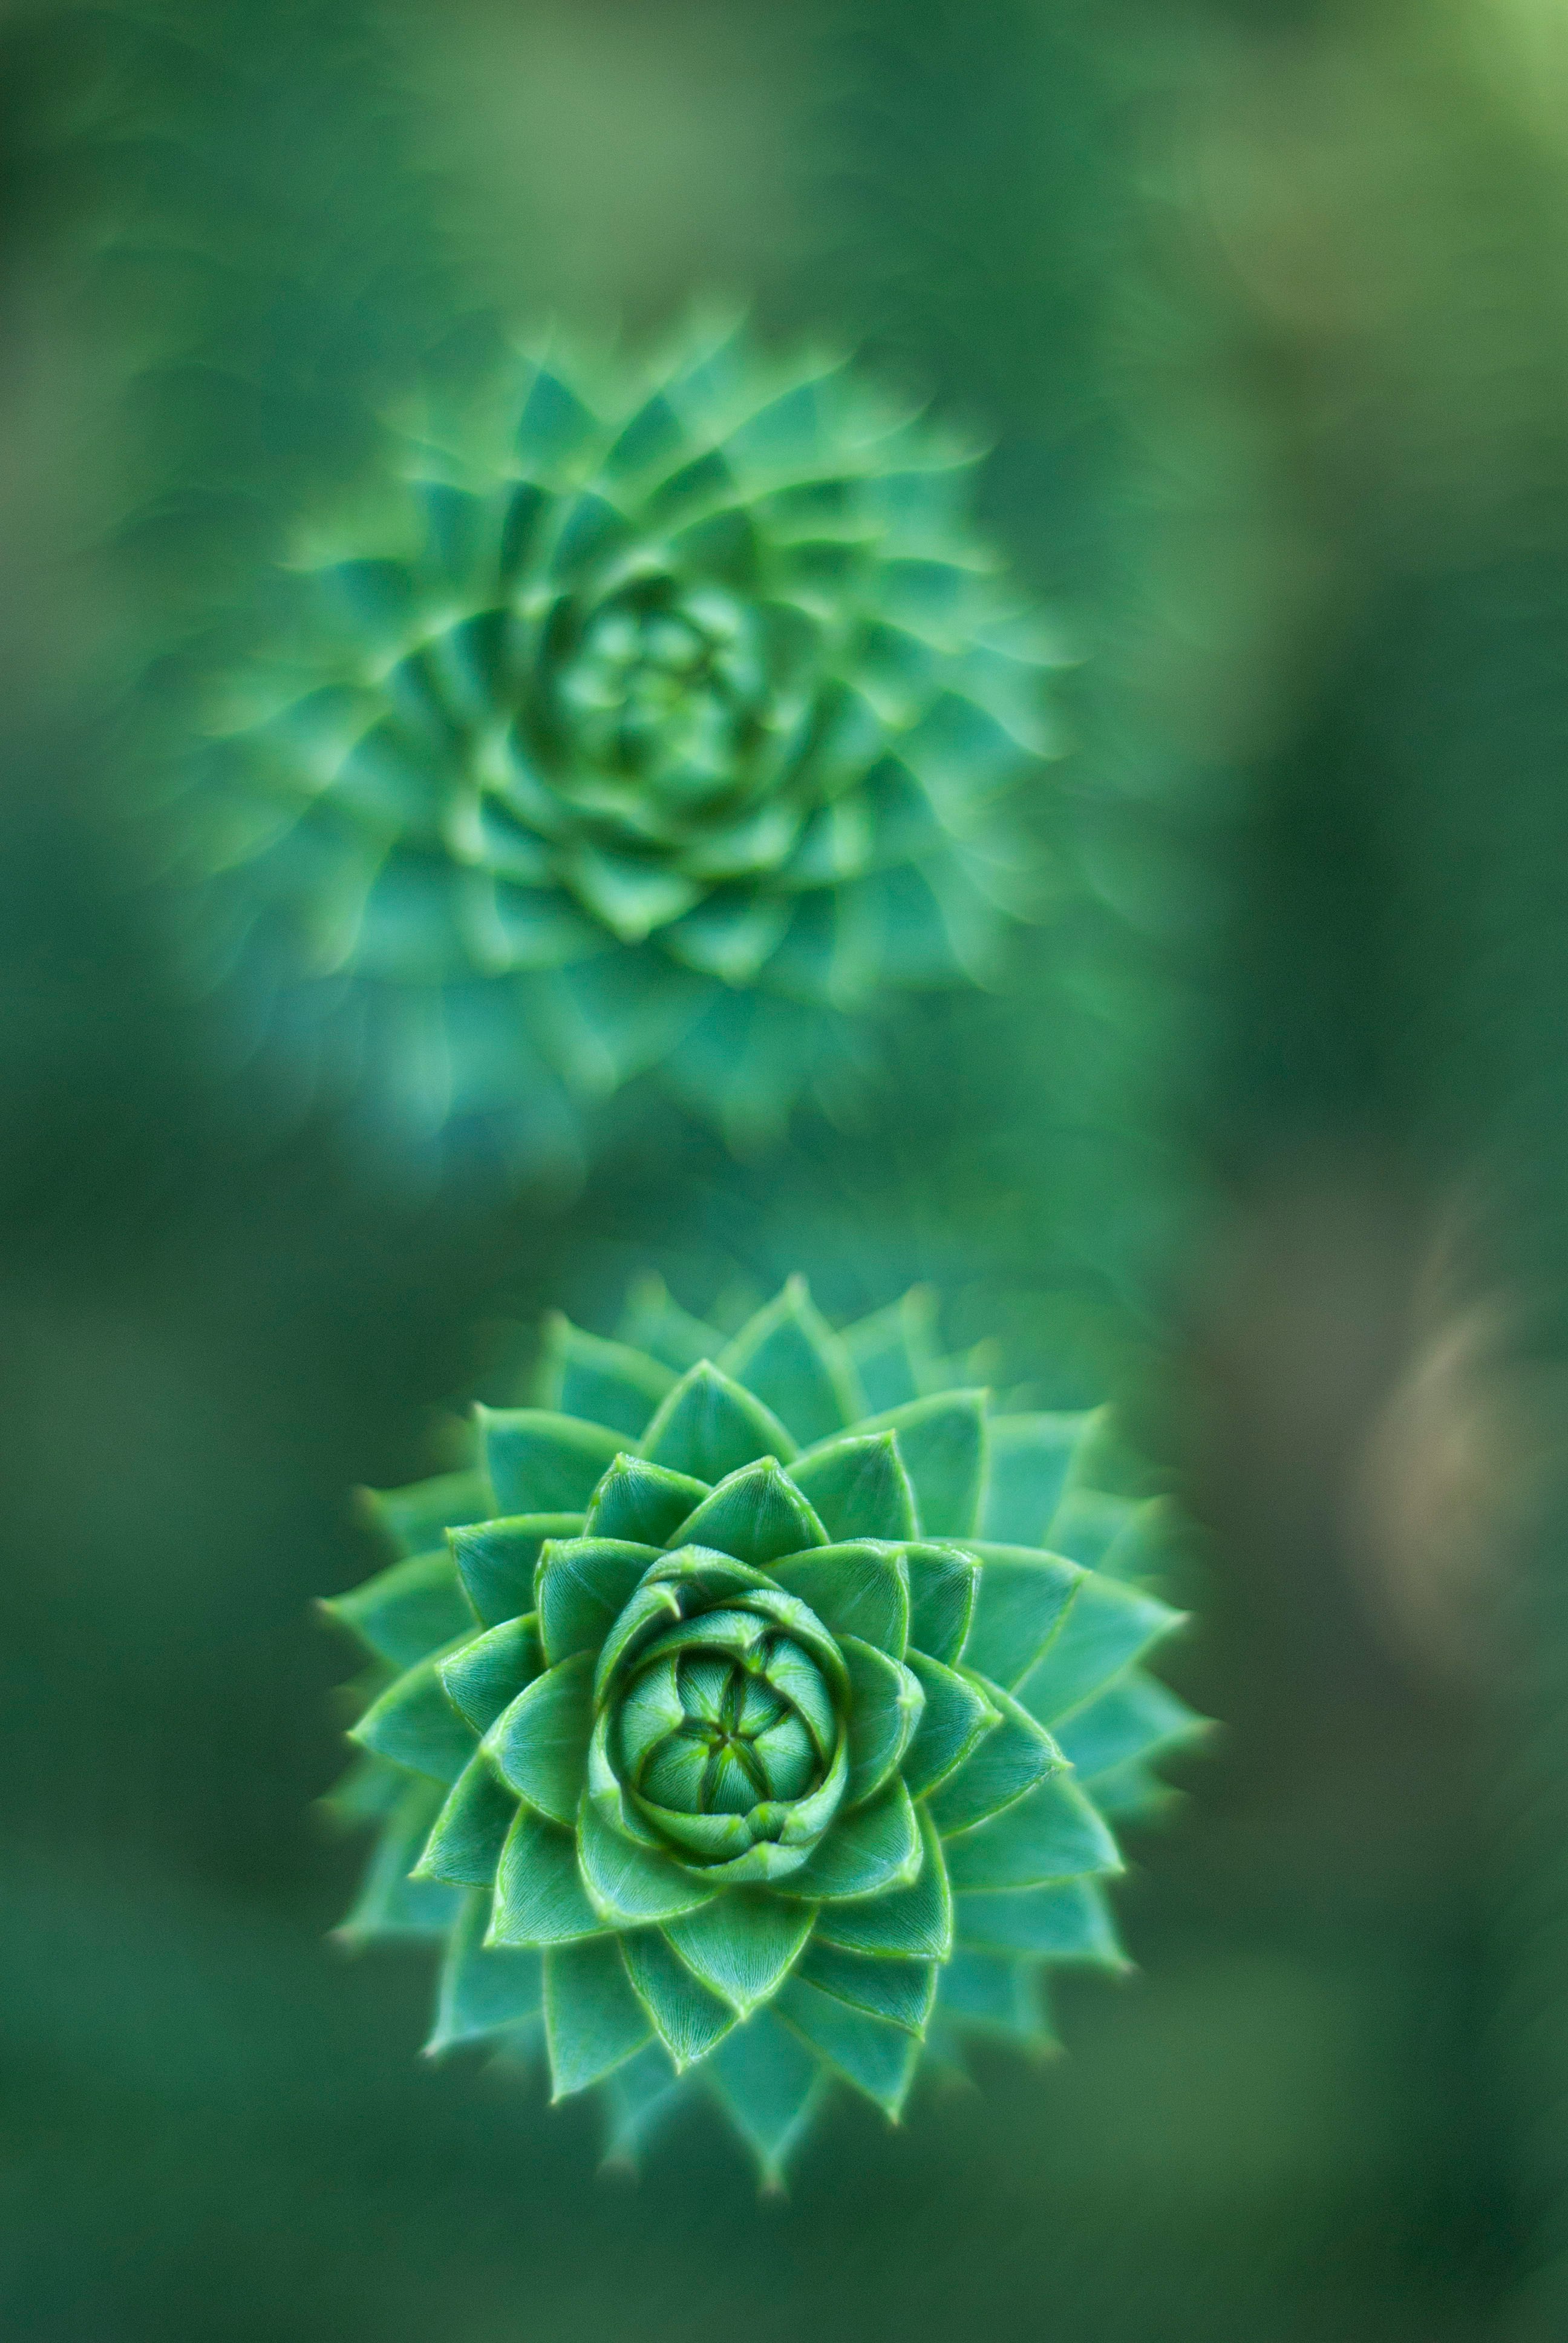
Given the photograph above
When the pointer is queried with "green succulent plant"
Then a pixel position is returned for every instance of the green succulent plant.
(644, 712)
(750, 1715)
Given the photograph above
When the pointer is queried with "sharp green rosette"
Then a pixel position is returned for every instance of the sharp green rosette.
(752, 1714)
(646, 713)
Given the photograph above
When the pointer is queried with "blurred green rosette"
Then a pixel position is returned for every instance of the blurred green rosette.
(659, 713)
(753, 1711)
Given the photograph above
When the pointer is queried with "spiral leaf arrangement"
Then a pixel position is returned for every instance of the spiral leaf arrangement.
(646, 714)
(752, 1714)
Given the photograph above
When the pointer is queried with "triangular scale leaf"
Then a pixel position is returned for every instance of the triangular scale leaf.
(944, 1583)
(885, 1704)
(1108, 1627)
(630, 1886)
(1052, 1833)
(1089, 1527)
(690, 2021)
(539, 1896)
(994, 1994)
(858, 1486)
(955, 1715)
(593, 2020)
(1028, 1466)
(605, 1383)
(545, 1463)
(415, 1724)
(894, 1353)
(539, 1743)
(642, 1504)
(868, 1852)
(414, 1519)
(757, 1515)
(915, 1921)
(874, 2057)
(583, 1585)
(1068, 1922)
(743, 1944)
(709, 1427)
(1020, 1603)
(467, 1836)
(497, 1560)
(790, 1357)
(1134, 1714)
(942, 1443)
(1006, 1763)
(653, 1323)
(900, 1991)
(482, 1991)
(408, 1611)
(390, 1901)
(858, 1589)
(769, 2085)
(489, 1672)
(636, 2098)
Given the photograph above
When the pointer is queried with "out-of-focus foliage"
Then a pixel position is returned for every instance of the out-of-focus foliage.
(631, 711)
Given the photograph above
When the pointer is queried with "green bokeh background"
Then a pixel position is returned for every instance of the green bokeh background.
(1265, 312)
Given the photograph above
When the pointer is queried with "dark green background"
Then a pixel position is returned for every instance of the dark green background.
(1264, 312)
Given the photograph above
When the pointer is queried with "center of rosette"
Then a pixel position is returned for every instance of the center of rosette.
(665, 688)
(703, 1731)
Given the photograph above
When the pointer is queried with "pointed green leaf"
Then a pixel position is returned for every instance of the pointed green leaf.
(602, 1383)
(885, 1704)
(1068, 1922)
(875, 2058)
(769, 2086)
(992, 1993)
(1133, 1792)
(689, 2020)
(955, 1715)
(497, 1560)
(467, 1836)
(635, 2100)
(481, 1991)
(1089, 1527)
(895, 1351)
(406, 1613)
(545, 1463)
(1139, 1553)
(1020, 1603)
(539, 1744)
(900, 1991)
(365, 1792)
(1029, 1460)
(1006, 1763)
(1108, 1627)
(653, 1323)
(414, 1519)
(757, 1515)
(539, 1896)
(390, 1903)
(857, 1589)
(1053, 1833)
(593, 2020)
(944, 1583)
(915, 1921)
(876, 1848)
(584, 1584)
(642, 1504)
(942, 1443)
(791, 1359)
(628, 1885)
(743, 1944)
(858, 1486)
(1134, 1714)
(489, 1672)
(415, 1724)
(709, 1427)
